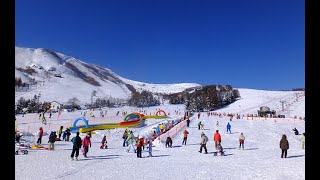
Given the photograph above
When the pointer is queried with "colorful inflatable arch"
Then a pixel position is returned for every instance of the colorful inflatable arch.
(132, 117)
(80, 119)
(157, 113)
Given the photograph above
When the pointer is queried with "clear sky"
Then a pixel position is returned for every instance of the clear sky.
(245, 43)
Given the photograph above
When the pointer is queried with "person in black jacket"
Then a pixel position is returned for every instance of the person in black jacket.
(284, 146)
(77, 142)
(52, 139)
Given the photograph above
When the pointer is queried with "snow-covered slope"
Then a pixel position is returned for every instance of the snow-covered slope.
(259, 160)
(58, 77)
(251, 100)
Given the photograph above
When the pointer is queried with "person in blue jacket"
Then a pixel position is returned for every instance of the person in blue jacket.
(158, 129)
(228, 127)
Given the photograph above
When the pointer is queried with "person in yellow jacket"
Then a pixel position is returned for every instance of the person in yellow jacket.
(161, 128)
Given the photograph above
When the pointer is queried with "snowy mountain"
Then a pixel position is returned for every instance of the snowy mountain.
(58, 77)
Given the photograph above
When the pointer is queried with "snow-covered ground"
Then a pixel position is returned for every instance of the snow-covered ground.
(259, 160)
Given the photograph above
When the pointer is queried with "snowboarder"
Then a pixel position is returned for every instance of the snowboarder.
(203, 143)
(284, 146)
(76, 141)
(86, 142)
(185, 136)
(303, 140)
(228, 127)
(241, 140)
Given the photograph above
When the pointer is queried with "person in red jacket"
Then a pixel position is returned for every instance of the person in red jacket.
(139, 148)
(40, 134)
(142, 141)
(216, 139)
(86, 142)
(185, 136)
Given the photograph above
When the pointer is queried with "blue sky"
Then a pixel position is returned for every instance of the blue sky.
(246, 44)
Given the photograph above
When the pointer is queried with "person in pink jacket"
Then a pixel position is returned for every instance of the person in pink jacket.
(39, 134)
(86, 142)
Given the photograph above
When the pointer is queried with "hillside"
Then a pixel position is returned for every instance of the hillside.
(58, 77)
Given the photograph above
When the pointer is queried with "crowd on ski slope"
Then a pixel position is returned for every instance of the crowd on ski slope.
(137, 144)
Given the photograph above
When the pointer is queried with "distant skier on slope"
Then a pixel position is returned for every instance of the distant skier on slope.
(229, 127)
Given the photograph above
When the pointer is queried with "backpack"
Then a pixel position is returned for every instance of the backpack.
(73, 140)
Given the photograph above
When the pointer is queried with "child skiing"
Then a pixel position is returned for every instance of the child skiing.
(104, 142)
(150, 148)
(241, 140)
(185, 136)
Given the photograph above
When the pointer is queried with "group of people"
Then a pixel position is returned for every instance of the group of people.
(130, 140)
(78, 142)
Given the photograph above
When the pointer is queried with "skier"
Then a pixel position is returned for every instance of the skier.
(60, 131)
(284, 146)
(188, 122)
(39, 134)
(131, 141)
(139, 148)
(86, 142)
(296, 132)
(104, 142)
(64, 135)
(124, 137)
(52, 139)
(168, 142)
(185, 136)
(228, 127)
(241, 140)
(217, 123)
(303, 140)
(202, 126)
(217, 138)
(203, 143)
(44, 121)
(142, 142)
(199, 124)
(150, 148)
(68, 133)
(199, 115)
(76, 141)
